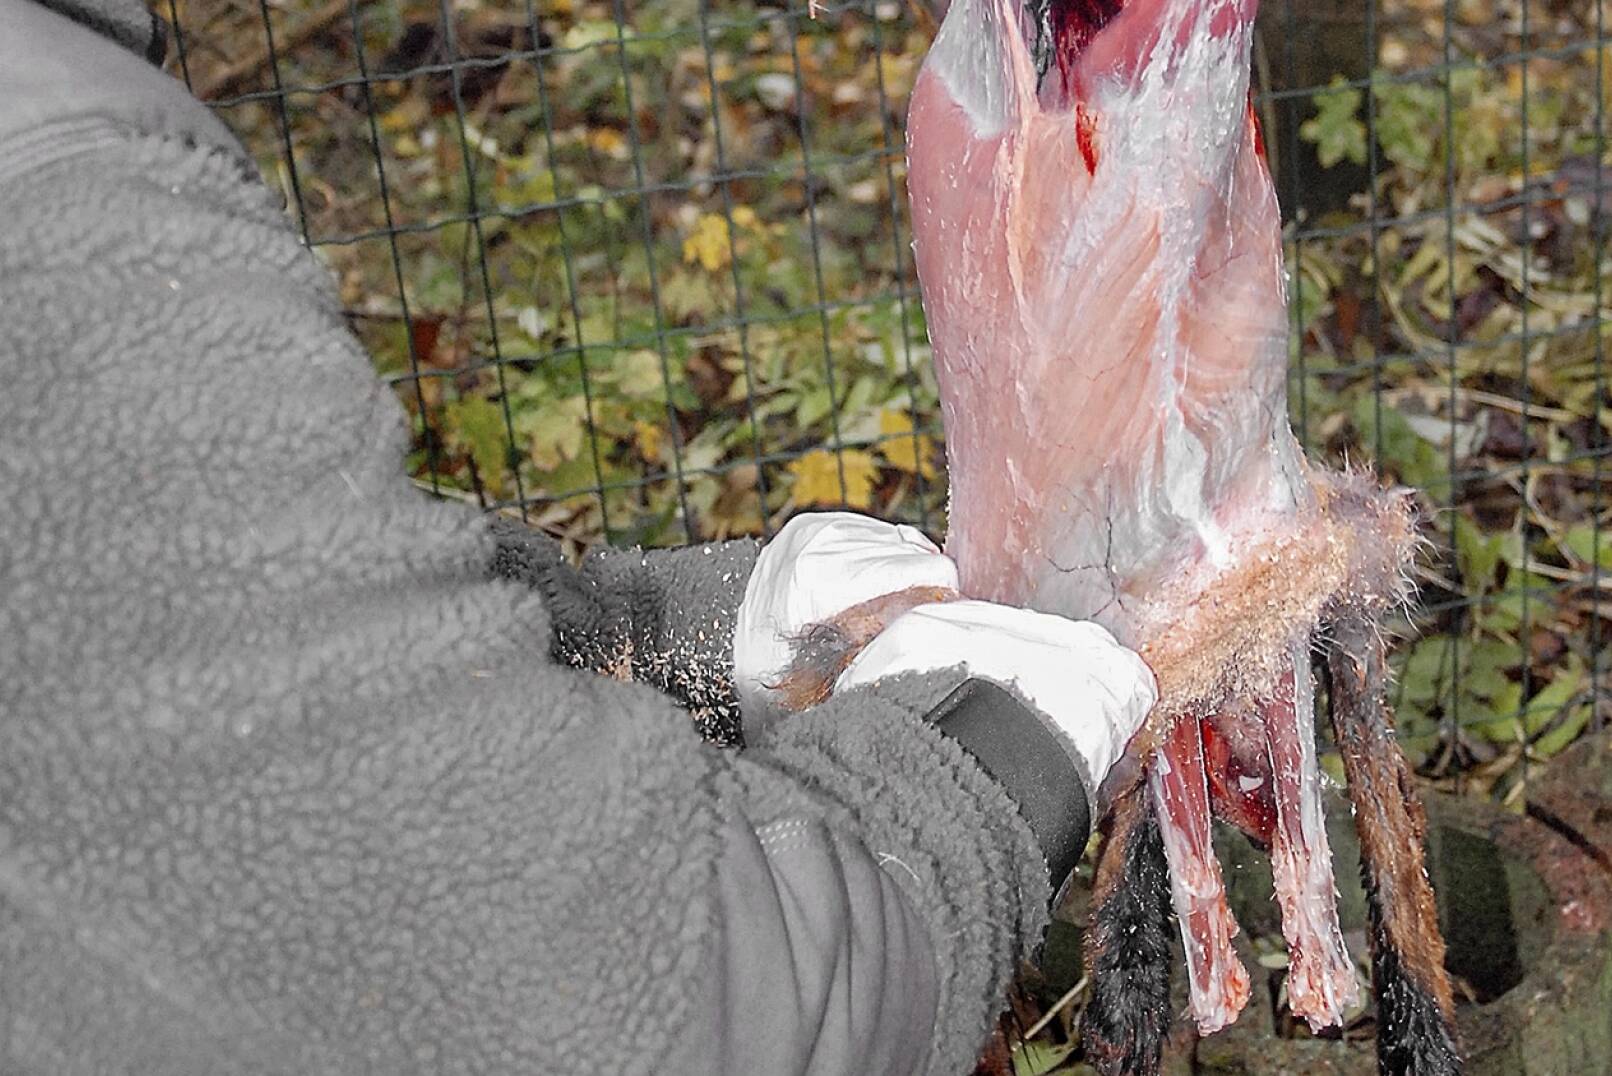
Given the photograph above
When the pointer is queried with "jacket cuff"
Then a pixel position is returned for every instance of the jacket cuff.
(684, 605)
(663, 617)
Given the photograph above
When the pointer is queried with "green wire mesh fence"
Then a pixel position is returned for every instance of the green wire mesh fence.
(641, 273)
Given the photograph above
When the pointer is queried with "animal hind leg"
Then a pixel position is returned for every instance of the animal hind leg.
(1127, 952)
(1217, 982)
(1415, 1011)
(1321, 983)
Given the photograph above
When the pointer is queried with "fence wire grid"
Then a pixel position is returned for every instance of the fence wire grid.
(642, 273)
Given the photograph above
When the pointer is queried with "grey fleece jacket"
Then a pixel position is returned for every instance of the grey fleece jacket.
(289, 783)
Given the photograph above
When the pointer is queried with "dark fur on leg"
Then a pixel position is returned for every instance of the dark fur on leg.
(1128, 944)
(1415, 1011)
(824, 649)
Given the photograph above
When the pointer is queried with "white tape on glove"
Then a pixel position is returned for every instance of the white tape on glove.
(819, 565)
(1095, 692)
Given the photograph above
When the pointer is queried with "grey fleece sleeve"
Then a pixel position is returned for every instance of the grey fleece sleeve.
(290, 786)
(884, 782)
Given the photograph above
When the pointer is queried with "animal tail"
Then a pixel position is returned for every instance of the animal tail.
(1415, 1010)
(1127, 951)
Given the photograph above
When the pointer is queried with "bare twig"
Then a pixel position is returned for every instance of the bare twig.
(228, 80)
(1057, 1007)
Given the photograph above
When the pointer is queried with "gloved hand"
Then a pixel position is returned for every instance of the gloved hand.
(1091, 691)
(820, 589)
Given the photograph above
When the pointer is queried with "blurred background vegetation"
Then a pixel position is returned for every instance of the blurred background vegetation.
(642, 273)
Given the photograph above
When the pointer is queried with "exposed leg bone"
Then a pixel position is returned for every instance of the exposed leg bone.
(1128, 944)
(1321, 982)
(1180, 793)
(1415, 1012)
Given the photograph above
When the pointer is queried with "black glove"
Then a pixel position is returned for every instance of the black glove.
(663, 618)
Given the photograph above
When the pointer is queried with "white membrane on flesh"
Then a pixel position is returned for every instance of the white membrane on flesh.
(967, 55)
(1321, 983)
(1217, 982)
(1171, 135)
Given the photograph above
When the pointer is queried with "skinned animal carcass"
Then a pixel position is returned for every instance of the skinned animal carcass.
(1099, 249)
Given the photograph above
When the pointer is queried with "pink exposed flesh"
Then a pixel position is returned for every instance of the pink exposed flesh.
(1100, 258)
(1180, 789)
(1321, 983)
